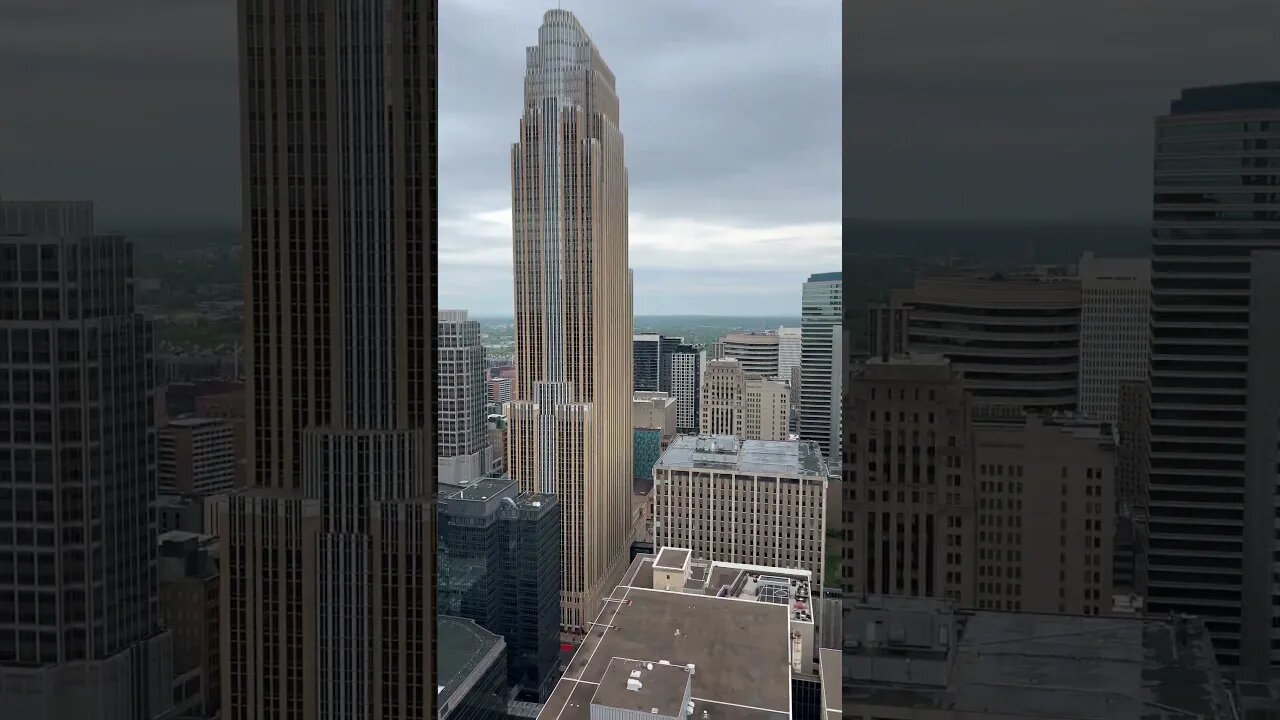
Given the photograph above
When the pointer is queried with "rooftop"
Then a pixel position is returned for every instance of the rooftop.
(739, 650)
(672, 558)
(465, 651)
(922, 654)
(479, 489)
(763, 457)
(644, 686)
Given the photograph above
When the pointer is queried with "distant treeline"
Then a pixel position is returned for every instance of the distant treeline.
(995, 243)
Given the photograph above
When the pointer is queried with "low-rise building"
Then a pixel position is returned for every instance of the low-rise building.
(680, 639)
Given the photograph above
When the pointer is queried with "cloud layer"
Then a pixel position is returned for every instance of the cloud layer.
(731, 122)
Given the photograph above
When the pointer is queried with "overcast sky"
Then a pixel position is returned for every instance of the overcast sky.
(1029, 110)
(981, 109)
(731, 118)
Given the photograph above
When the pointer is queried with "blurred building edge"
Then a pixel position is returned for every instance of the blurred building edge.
(682, 639)
(913, 658)
(189, 604)
(82, 634)
(500, 565)
(472, 667)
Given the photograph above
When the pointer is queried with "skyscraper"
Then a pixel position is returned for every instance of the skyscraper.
(462, 444)
(724, 388)
(651, 361)
(822, 362)
(570, 423)
(80, 626)
(1115, 330)
(757, 352)
(790, 344)
(1015, 336)
(328, 579)
(1215, 389)
(687, 363)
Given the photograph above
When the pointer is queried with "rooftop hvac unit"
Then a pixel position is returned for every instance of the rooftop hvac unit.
(634, 685)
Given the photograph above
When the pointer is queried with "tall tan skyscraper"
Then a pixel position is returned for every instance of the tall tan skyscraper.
(328, 582)
(570, 422)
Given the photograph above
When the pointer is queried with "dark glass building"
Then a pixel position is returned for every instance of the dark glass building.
(500, 566)
(651, 361)
(1215, 354)
(472, 671)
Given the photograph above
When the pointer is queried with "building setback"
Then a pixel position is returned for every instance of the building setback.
(756, 502)
(80, 628)
(1215, 392)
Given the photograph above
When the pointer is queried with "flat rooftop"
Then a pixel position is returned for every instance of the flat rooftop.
(1032, 665)
(643, 686)
(671, 558)
(465, 651)
(479, 489)
(739, 650)
(761, 457)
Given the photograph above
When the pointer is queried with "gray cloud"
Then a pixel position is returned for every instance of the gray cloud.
(731, 115)
(1010, 110)
(731, 121)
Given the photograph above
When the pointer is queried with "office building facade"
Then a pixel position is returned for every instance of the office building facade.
(1115, 330)
(790, 350)
(80, 626)
(766, 409)
(755, 502)
(687, 364)
(569, 426)
(1016, 337)
(822, 360)
(339, 208)
(1002, 515)
(757, 353)
(500, 566)
(197, 455)
(651, 361)
(724, 387)
(1215, 393)
(462, 446)
(909, 504)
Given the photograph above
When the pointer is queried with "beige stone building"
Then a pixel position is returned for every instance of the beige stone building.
(654, 411)
(749, 501)
(569, 423)
(738, 403)
(767, 404)
(1046, 515)
(724, 386)
(1010, 515)
(909, 496)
